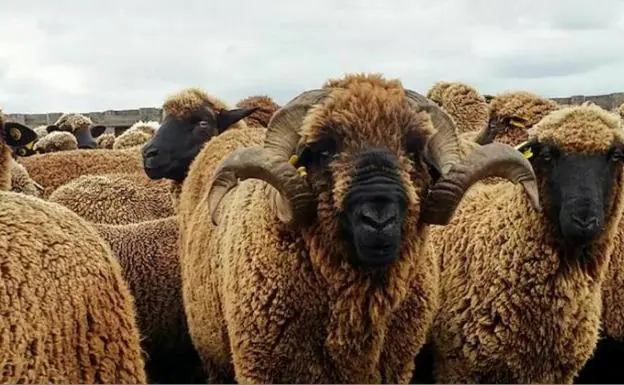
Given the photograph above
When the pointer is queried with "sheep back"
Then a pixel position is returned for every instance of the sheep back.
(68, 316)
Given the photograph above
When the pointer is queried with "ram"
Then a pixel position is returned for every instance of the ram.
(520, 288)
(316, 272)
(264, 107)
(67, 314)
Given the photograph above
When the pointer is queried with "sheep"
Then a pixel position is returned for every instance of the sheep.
(41, 131)
(54, 169)
(21, 181)
(520, 289)
(266, 108)
(56, 141)
(463, 103)
(147, 252)
(82, 127)
(620, 110)
(511, 114)
(275, 293)
(139, 133)
(67, 314)
(105, 141)
(117, 198)
(191, 117)
(24, 149)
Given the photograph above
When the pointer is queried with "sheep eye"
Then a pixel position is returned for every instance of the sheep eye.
(318, 154)
(616, 155)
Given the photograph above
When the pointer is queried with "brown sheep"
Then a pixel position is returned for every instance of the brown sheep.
(512, 113)
(463, 103)
(138, 134)
(57, 168)
(275, 293)
(67, 314)
(520, 289)
(116, 199)
(21, 182)
(148, 255)
(105, 141)
(56, 141)
(266, 108)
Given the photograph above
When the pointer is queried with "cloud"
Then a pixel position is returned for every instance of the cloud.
(72, 55)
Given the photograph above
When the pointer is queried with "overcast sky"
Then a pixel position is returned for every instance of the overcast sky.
(77, 55)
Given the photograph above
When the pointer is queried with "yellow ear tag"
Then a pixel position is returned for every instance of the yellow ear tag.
(516, 123)
(528, 153)
(293, 159)
(302, 171)
(29, 145)
(15, 133)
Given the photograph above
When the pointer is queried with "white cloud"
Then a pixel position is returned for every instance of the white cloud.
(72, 55)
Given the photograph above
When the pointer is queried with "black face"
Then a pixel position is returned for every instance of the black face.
(178, 141)
(374, 208)
(83, 135)
(19, 138)
(578, 189)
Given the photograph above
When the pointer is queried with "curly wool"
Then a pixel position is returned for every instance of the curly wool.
(620, 110)
(340, 328)
(505, 298)
(67, 314)
(57, 168)
(527, 106)
(464, 104)
(105, 141)
(131, 139)
(56, 141)
(436, 91)
(260, 117)
(21, 181)
(117, 199)
(41, 131)
(73, 122)
(182, 103)
(148, 255)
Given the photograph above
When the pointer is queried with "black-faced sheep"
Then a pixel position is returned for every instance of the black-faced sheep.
(138, 134)
(511, 114)
(82, 127)
(463, 103)
(520, 289)
(116, 199)
(67, 314)
(190, 118)
(148, 255)
(266, 107)
(317, 272)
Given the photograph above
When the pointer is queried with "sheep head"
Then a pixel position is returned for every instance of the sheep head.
(360, 155)
(82, 127)
(577, 155)
(511, 114)
(190, 118)
(19, 138)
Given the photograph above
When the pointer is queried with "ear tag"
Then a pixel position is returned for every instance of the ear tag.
(293, 159)
(528, 153)
(302, 171)
(15, 133)
(516, 123)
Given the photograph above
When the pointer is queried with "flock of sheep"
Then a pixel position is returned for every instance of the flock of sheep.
(361, 233)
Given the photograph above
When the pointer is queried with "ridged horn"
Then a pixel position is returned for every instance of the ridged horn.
(494, 159)
(294, 202)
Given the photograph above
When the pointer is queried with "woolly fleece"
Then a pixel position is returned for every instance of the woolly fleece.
(273, 304)
(56, 141)
(105, 141)
(464, 104)
(506, 295)
(260, 117)
(21, 181)
(116, 199)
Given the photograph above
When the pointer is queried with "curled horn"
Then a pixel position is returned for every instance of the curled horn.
(443, 146)
(294, 201)
(494, 159)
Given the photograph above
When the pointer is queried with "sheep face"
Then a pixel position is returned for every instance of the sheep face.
(81, 127)
(355, 161)
(22, 133)
(577, 154)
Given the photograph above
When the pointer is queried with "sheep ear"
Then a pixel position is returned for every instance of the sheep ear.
(528, 148)
(228, 117)
(18, 135)
(97, 130)
(52, 128)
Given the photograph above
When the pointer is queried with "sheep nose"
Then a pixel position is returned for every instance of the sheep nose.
(378, 216)
(588, 224)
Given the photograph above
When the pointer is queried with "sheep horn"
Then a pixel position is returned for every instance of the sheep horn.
(494, 159)
(444, 144)
(296, 202)
(270, 163)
